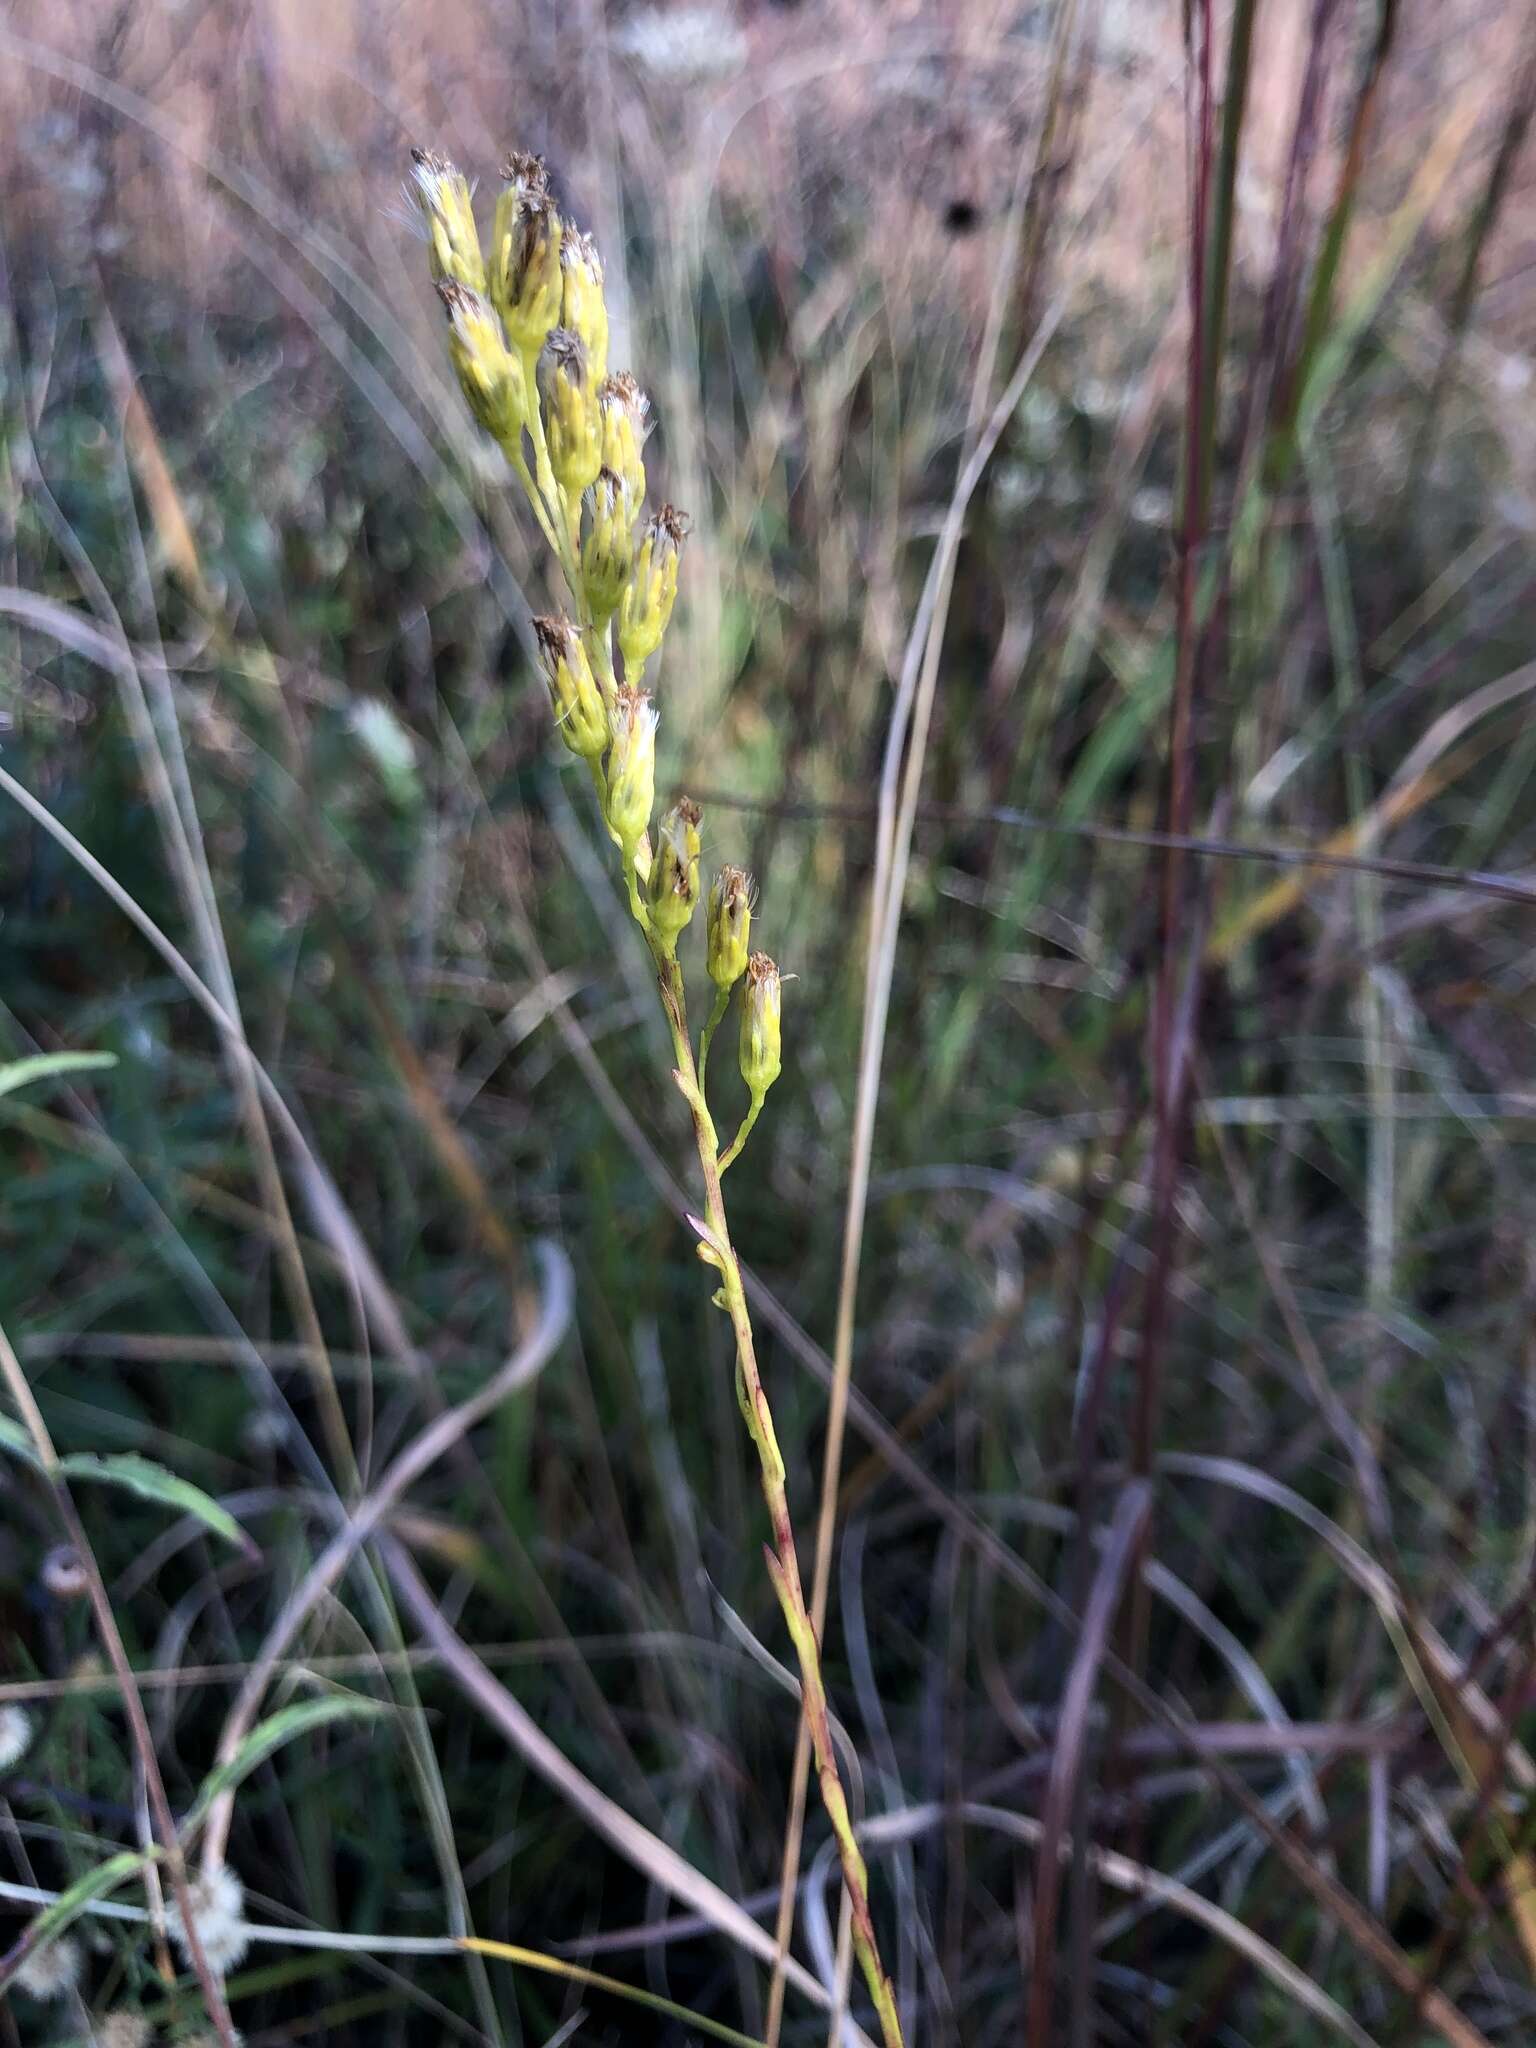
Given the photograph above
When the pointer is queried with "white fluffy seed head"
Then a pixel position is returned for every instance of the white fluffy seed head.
(218, 1914)
(52, 1970)
(63, 1576)
(122, 2029)
(15, 1734)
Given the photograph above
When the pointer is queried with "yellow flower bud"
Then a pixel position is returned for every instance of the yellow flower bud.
(674, 879)
(570, 411)
(489, 374)
(583, 308)
(580, 713)
(646, 606)
(625, 412)
(526, 282)
(632, 767)
(608, 546)
(728, 926)
(760, 1062)
(441, 191)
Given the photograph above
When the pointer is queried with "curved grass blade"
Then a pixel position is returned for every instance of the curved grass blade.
(531, 1959)
(268, 1736)
(43, 1066)
(153, 1482)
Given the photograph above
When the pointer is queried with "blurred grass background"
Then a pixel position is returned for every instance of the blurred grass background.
(1198, 1166)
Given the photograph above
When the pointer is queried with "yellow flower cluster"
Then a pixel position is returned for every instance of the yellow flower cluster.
(528, 340)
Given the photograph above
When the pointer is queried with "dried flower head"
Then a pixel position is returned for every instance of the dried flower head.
(122, 2029)
(645, 609)
(63, 1576)
(674, 878)
(581, 716)
(729, 926)
(218, 1914)
(760, 1007)
(441, 190)
(51, 1971)
(526, 175)
(15, 1735)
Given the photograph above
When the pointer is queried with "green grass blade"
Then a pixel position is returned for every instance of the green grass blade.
(152, 1482)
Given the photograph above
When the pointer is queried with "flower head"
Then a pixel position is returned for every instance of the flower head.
(15, 1735)
(490, 375)
(51, 1971)
(760, 1059)
(525, 278)
(122, 2029)
(441, 190)
(581, 716)
(571, 417)
(63, 1576)
(645, 609)
(583, 309)
(674, 878)
(625, 415)
(729, 926)
(218, 1915)
(608, 543)
(632, 767)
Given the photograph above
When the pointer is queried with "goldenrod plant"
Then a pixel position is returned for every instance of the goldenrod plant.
(528, 339)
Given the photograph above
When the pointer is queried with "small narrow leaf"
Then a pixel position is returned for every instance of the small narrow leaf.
(153, 1482)
(43, 1066)
(267, 1736)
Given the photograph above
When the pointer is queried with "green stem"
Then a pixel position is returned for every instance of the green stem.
(514, 454)
(744, 1133)
(783, 1563)
(722, 1001)
(637, 909)
(598, 637)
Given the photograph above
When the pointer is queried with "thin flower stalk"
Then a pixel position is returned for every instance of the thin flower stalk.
(528, 339)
